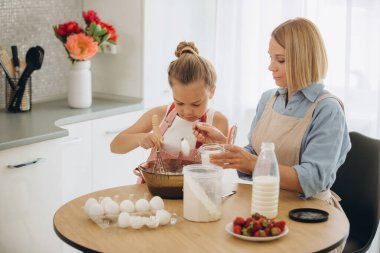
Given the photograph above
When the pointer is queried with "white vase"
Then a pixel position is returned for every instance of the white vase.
(79, 91)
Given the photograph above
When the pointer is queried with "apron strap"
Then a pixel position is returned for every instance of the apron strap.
(311, 109)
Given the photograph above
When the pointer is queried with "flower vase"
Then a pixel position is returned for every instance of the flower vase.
(79, 85)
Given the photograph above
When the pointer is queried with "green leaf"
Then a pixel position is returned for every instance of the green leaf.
(102, 32)
(92, 28)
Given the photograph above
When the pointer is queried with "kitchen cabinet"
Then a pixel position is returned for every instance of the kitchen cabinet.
(111, 169)
(76, 160)
(30, 195)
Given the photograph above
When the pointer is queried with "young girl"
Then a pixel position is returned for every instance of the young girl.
(192, 79)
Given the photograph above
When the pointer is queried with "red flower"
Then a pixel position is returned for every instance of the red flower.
(111, 31)
(91, 16)
(67, 29)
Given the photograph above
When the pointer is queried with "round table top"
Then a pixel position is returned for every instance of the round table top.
(75, 228)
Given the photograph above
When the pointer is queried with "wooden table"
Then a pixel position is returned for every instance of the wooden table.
(72, 226)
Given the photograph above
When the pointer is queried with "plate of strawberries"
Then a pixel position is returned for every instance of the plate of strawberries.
(257, 228)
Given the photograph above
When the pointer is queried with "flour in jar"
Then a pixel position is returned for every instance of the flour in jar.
(202, 201)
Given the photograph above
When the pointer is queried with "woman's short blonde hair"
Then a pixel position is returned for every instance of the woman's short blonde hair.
(190, 67)
(305, 53)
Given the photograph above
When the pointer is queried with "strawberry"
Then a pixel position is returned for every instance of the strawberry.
(257, 216)
(260, 233)
(248, 222)
(237, 229)
(264, 223)
(275, 231)
(280, 224)
(256, 225)
(267, 231)
(239, 221)
(245, 231)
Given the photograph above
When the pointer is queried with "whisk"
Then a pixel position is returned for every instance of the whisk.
(159, 165)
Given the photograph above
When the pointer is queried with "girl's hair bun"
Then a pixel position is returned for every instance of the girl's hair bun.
(186, 47)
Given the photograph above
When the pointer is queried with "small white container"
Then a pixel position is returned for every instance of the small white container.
(206, 149)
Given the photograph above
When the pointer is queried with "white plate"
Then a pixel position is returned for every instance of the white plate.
(229, 230)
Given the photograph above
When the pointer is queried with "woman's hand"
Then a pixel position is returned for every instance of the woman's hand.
(235, 157)
(207, 133)
(150, 140)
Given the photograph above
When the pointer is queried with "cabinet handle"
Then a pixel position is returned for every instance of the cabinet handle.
(24, 164)
(73, 140)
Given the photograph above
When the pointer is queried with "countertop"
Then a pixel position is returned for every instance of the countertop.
(43, 121)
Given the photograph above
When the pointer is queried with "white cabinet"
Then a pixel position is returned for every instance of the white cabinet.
(110, 170)
(76, 160)
(30, 195)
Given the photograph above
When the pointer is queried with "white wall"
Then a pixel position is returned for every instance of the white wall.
(167, 22)
(120, 74)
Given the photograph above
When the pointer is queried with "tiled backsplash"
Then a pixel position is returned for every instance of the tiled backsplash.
(27, 23)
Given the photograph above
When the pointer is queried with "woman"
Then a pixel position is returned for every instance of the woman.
(306, 122)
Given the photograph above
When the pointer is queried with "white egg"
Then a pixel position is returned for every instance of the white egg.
(136, 222)
(185, 147)
(157, 203)
(163, 216)
(123, 220)
(142, 205)
(111, 208)
(104, 201)
(127, 206)
(88, 203)
(95, 210)
(152, 222)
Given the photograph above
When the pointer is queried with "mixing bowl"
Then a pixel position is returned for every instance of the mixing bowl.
(166, 185)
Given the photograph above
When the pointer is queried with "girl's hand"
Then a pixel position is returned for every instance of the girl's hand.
(207, 133)
(235, 157)
(150, 140)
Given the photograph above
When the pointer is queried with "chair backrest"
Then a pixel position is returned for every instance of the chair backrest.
(358, 184)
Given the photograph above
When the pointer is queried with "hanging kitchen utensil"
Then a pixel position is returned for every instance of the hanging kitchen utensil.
(34, 58)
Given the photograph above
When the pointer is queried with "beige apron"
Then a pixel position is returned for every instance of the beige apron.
(287, 133)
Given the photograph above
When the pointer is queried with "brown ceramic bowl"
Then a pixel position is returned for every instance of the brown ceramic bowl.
(166, 185)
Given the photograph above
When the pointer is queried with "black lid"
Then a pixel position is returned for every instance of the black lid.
(308, 215)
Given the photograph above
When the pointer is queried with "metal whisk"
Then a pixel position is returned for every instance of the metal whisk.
(159, 165)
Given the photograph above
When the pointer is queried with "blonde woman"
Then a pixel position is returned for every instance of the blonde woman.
(193, 82)
(304, 120)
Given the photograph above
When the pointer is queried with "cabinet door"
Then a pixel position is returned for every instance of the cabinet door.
(30, 195)
(76, 160)
(110, 169)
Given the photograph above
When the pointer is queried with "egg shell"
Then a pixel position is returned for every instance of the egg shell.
(111, 208)
(152, 222)
(185, 147)
(104, 201)
(127, 206)
(142, 205)
(123, 220)
(136, 222)
(95, 210)
(89, 202)
(163, 216)
(157, 203)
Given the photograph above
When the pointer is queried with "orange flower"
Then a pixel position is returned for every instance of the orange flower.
(81, 46)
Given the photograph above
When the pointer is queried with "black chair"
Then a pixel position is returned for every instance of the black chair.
(358, 184)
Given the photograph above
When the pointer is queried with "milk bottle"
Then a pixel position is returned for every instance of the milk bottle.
(266, 183)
